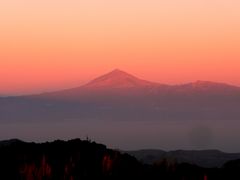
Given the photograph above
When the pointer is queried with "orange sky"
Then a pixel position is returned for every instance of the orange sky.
(54, 44)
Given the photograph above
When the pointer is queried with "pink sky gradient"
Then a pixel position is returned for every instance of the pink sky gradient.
(53, 44)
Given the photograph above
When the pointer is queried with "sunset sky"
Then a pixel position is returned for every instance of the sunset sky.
(53, 44)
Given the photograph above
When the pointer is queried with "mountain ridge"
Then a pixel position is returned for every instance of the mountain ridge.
(208, 158)
(118, 78)
(118, 73)
(121, 81)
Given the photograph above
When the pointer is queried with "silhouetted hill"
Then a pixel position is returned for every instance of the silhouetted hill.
(10, 142)
(203, 158)
(76, 159)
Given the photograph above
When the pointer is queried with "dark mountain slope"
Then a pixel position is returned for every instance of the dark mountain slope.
(74, 159)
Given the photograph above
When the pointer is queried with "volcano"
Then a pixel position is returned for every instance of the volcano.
(120, 95)
(118, 79)
(121, 109)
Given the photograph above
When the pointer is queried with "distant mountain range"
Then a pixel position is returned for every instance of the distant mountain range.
(121, 96)
(121, 83)
(202, 158)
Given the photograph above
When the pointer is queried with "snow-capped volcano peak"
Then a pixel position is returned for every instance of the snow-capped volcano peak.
(117, 79)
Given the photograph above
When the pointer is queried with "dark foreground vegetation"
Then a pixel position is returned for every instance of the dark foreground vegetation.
(77, 159)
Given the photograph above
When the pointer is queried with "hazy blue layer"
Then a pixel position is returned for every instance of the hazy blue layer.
(222, 135)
